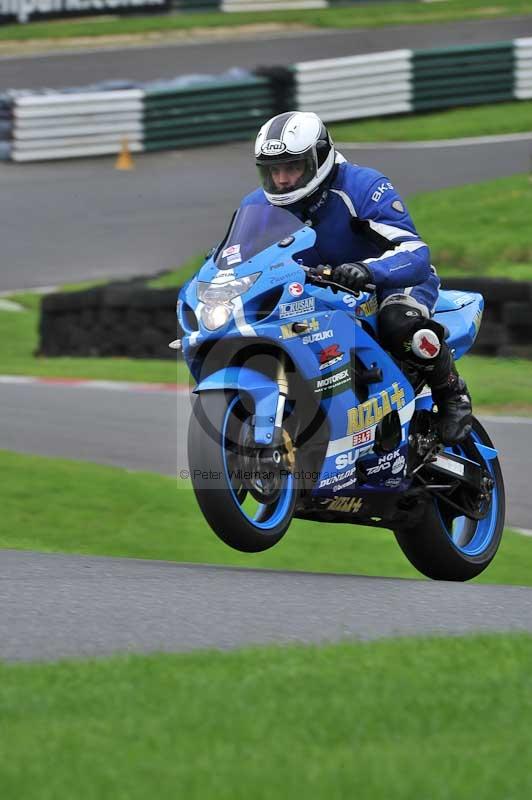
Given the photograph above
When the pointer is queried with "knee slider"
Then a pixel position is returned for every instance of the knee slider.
(408, 335)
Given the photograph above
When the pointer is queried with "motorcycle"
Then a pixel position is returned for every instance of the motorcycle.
(299, 412)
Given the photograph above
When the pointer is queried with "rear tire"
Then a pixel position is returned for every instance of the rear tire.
(459, 549)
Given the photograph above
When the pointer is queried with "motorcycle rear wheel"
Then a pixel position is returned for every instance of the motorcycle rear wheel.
(447, 547)
(214, 449)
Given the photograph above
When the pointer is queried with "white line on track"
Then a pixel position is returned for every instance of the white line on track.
(522, 531)
(114, 386)
(420, 145)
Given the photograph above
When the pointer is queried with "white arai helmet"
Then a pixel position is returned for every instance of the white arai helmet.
(294, 137)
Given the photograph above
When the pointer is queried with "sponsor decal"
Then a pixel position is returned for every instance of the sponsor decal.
(392, 483)
(349, 300)
(462, 300)
(368, 308)
(477, 319)
(425, 343)
(362, 438)
(374, 409)
(298, 307)
(384, 463)
(333, 384)
(296, 289)
(345, 459)
(273, 147)
(317, 337)
(233, 260)
(398, 465)
(224, 276)
(330, 355)
(336, 479)
(398, 206)
(378, 193)
(287, 276)
(231, 251)
(412, 313)
(287, 332)
(347, 505)
(449, 465)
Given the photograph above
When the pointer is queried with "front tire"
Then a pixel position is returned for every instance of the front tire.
(444, 546)
(215, 459)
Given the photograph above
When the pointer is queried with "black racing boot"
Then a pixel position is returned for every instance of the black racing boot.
(449, 392)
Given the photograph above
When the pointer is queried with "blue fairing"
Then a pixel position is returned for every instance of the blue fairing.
(264, 392)
(461, 313)
(263, 295)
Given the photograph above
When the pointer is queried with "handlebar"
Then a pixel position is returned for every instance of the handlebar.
(321, 275)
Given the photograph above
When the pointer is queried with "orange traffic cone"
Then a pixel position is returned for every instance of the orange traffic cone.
(124, 160)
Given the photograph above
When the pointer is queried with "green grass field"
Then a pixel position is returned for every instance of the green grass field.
(55, 505)
(370, 15)
(413, 718)
(496, 240)
(454, 123)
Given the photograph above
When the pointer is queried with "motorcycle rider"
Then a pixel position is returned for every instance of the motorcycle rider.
(365, 233)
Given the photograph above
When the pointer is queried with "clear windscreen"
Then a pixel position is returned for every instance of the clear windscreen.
(253, 229)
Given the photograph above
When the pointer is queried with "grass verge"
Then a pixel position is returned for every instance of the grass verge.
(496, 240)
(488, 120)
(411, 718)
(57, 505)
(369, 15)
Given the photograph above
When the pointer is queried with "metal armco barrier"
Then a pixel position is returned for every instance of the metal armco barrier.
(190, 112)
(356, 86)
(462, 76)
(53, 126)
(205, 113)
(523, 69)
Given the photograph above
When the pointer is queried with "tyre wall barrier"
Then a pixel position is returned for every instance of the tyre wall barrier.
(523, 69)
(462, 76)
(208, 112)
(201, 110)
(65, 125)
(131, 320)
(355, 86)
(114, 320)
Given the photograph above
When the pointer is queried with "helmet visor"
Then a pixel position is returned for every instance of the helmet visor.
(281, 177)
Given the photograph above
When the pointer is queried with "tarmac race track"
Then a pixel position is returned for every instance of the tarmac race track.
(56, 606)
(78, 220)
(152, 62)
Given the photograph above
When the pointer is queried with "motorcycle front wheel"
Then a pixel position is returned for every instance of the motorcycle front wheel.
(247, 499)
(446, 545)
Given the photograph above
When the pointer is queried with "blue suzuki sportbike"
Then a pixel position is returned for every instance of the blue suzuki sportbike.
(299, 412)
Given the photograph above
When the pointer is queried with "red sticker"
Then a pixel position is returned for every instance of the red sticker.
(295, 289)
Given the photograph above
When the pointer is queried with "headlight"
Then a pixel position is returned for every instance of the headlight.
(214, 317)
(217, 297)
(214, 293)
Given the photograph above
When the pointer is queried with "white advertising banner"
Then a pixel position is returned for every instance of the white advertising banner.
(25, 10)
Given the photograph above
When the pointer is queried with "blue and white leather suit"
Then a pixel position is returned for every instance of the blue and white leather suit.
(361, 217)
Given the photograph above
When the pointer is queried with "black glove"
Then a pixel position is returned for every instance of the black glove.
(352, 276)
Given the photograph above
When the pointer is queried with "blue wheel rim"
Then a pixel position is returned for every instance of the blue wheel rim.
(479, 533)
(277, 511)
